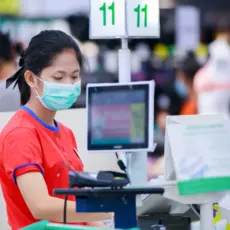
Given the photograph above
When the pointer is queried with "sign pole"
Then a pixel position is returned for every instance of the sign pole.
(124, 62)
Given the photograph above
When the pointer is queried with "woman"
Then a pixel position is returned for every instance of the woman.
(184, 84)
(35, 149)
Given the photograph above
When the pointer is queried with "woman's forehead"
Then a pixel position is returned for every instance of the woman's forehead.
(65, 62)
(65, 58)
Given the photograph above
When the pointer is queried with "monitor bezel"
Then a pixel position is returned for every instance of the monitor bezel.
(148, 144)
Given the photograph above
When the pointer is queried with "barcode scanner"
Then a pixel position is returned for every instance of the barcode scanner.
(101, 179)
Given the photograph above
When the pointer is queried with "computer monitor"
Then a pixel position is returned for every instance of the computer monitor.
(120, 117)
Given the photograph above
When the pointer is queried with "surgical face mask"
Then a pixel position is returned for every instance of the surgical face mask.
(181, 89)
(59, 96)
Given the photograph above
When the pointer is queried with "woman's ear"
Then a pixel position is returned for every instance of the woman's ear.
(30, 79)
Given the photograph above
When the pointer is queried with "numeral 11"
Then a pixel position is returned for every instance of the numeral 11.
(103, 8)
(140, 10)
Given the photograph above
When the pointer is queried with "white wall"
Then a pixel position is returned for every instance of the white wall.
(76, 120)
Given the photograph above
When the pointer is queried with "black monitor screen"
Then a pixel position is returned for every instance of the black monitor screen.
(118, 117)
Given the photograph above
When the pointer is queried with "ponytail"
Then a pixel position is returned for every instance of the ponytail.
(19, 79)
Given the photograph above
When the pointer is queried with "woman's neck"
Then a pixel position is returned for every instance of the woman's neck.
(41, 112)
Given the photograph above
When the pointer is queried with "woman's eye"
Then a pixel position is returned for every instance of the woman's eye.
(75, 77)
(58, 78)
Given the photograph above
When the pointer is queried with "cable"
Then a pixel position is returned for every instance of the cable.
(65, 210)
(122, 166)
(65, 207)
(66, 196)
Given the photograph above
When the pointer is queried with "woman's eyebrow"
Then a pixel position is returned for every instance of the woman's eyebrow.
(64, 72)
(60, 71)
(76, 71)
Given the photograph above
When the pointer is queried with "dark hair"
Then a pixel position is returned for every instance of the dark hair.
(189, 66)
(39, 55)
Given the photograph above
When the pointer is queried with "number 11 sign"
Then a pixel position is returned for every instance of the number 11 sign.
(124, 18)
(107, 19)
(143, 18)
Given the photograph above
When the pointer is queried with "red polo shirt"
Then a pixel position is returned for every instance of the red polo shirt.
(27, 144)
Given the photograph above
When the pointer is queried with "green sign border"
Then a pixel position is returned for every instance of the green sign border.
(204, 185)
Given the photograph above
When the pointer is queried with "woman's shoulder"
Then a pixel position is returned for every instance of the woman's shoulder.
(17, 130)
(18, 124)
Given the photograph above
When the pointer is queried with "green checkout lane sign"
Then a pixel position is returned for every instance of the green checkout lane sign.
(124, 18)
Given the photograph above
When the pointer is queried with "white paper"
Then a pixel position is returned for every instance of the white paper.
(174, 140)
(200, 150)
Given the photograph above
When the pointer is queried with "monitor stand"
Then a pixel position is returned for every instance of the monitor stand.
(136, 161)
(137, 168)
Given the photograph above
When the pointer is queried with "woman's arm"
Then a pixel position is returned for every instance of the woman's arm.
(45, 207)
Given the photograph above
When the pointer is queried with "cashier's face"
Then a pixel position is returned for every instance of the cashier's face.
(64, 69)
